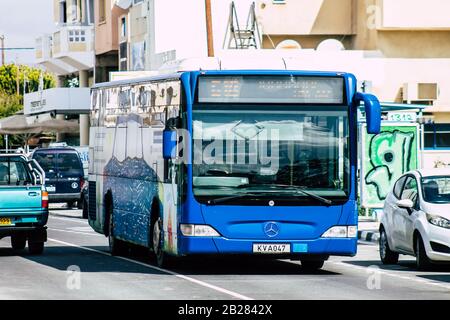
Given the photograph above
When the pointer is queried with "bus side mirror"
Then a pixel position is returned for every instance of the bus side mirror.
(169, 144)
(372, 109)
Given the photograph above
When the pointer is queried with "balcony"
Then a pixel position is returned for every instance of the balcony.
(67, 50)
(74, 45)
(413, 15)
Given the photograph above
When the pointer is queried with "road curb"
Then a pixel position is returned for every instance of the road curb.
(369, 236)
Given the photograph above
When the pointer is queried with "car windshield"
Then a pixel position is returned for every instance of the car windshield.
(47, 161)
(69, 165)
(436, 189)
(258, 148)
(14, 172)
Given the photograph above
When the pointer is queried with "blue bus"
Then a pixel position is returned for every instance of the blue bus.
(252, 162)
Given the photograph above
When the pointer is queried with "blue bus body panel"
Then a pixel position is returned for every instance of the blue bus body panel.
(242, 226)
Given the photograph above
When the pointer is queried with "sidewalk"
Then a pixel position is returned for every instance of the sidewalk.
(368, 230)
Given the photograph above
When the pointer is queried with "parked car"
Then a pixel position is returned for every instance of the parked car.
(64, 174)
(416, 218)
(23, 203)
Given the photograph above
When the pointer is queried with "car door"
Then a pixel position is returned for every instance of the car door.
(70, 171)
(406, 216)
(391, 212)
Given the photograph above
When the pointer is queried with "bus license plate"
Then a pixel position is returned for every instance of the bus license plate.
(51, 188)
(271, 248)
(5, 221)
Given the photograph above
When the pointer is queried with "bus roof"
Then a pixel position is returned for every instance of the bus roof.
(247, 63)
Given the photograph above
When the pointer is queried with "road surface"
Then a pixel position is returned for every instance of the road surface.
(76, 265)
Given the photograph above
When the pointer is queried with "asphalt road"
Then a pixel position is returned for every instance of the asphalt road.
(72, 246)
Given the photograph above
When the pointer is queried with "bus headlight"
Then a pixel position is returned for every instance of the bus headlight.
(341, 232)
(198, 230)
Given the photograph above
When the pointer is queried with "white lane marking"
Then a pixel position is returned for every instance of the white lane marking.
(78, 232)
(178, 275)
(69, 219)
(87, 229)
(387, 273)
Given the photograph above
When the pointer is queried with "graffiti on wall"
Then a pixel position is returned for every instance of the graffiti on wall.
(386, 156)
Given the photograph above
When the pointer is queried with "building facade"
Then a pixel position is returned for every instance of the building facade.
(401, 48)
(69, 53)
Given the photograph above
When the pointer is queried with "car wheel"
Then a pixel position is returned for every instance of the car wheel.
(116, 246)
(18, 242)
(422, 260)
(70, 204)
(80, 203)
(312, 265)
(85, 209)
(162, 259)
(386, 254)
(36, 247)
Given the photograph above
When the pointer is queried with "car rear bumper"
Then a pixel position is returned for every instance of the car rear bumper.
(36, 232)
(63, 197)
(221, 245)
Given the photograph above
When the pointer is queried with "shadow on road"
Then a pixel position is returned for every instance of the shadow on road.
(437, 277)
(403, 265)
(62, 257)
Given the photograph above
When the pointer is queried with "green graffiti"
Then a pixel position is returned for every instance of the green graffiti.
(390, 154)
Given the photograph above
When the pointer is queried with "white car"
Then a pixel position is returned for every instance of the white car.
(416, 218)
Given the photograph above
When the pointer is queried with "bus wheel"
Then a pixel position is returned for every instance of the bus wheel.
(312, 265)
(162, 260)
(116, 246)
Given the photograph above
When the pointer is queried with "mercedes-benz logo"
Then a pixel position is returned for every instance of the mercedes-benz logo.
(271, 229)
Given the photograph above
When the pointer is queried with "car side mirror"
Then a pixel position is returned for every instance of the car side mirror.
(405, 204)
(169, 144)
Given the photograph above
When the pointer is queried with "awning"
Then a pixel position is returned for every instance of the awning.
(17, 124)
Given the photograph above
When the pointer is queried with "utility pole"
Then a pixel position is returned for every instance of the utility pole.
(209, 29)
(2, 45)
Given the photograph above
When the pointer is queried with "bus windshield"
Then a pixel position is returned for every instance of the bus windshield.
(264, 149)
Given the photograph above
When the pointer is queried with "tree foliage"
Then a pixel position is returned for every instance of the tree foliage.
(11, 101)
(10, 73)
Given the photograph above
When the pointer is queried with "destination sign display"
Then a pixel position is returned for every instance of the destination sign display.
(271, 89)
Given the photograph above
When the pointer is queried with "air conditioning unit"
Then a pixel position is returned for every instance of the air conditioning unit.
(420, 91)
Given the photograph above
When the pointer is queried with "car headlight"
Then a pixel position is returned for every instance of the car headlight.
(438, 221)
(341, 232)
(198, 230)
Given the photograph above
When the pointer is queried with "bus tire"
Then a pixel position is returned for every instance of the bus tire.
(312, 265)
(18, 242)
(36, 247)
(161, 258)
(116, 247)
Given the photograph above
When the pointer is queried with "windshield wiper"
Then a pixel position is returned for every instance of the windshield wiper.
(299, 189)
(237, 196)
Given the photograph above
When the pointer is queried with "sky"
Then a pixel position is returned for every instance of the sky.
(21, 21)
